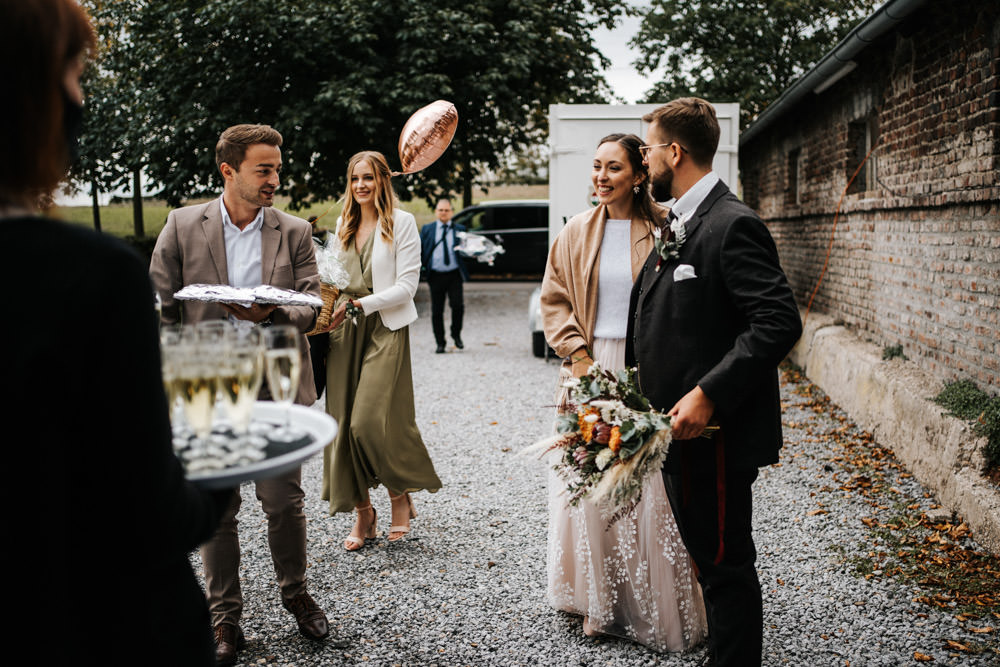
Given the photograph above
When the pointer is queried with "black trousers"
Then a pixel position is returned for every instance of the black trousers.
(319, 346)
(711, 500)
(446, 284)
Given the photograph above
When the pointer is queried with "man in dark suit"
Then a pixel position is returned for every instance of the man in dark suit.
(445, 272)
(241, 240)
(711, 316)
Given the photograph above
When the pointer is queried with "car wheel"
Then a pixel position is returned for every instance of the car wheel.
(538, 343)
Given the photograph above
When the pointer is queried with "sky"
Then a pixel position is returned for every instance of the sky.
(622, 76)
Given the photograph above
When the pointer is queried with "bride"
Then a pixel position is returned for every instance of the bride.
(633, 579)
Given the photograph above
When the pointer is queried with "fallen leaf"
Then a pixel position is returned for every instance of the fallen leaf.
(956, 645)
(921, 657)
(815, 512)
(982, 630)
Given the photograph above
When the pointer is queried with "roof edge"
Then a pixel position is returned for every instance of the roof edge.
(835, 64)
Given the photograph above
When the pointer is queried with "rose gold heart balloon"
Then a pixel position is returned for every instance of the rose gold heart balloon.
(426, 135)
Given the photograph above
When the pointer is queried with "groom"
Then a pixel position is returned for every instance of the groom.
(707, 329)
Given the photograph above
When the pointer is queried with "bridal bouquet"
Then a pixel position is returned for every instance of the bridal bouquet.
(609, 439)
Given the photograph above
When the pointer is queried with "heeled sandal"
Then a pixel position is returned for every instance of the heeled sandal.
(352, 543)
(400, 531)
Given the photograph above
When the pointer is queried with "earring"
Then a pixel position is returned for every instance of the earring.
(635, 189)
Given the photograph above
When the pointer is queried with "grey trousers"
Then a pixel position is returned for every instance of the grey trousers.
(282, 500)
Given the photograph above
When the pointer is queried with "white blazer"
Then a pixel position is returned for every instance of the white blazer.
(395, 272)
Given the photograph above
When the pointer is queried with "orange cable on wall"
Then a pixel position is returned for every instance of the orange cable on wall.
(836, 215)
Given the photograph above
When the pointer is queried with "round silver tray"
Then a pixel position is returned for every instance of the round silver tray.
(320, 427)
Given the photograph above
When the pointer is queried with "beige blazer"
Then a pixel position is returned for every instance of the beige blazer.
(191, 249)
(395, 272)
(569, 287)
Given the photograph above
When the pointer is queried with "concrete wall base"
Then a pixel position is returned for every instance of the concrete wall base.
(893, 401)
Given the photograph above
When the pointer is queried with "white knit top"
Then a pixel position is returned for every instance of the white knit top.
(614, 281)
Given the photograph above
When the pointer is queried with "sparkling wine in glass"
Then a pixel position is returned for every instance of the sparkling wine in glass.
(240, 377)
(196, 384)
(282, 363)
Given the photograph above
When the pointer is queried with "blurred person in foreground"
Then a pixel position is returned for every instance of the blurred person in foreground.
(633, 578)
(240, 239)
(369, 387)
(708, 327)
(104, 533)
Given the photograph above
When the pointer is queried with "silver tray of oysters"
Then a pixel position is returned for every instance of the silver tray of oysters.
(245, 296)
(224, 460)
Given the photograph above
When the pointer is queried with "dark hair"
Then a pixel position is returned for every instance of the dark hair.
(691, 122)
(642, 202)
(233, 144)
(38, 41)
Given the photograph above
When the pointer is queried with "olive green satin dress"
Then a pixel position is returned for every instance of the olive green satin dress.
(369, 391)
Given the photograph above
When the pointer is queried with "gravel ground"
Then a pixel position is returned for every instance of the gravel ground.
(467, 586)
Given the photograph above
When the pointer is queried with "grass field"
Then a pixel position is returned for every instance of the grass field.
(117, 218)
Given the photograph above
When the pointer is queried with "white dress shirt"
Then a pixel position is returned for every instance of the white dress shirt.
(688, 203)
(243, 249)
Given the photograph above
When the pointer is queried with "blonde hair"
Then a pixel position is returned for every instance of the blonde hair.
(385, 198)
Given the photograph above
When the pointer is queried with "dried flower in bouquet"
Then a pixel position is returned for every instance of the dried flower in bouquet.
(609, 439)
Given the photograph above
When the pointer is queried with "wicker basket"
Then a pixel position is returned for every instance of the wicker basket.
(329, 294)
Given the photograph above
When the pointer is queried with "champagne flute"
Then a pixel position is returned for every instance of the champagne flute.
(240, 377)
(213, 340)
(283, 360)
(197, 385)
(175, 344)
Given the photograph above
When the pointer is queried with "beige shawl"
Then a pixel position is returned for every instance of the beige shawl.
(569, 288)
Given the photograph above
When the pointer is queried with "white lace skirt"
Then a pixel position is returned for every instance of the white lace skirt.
(633, 580)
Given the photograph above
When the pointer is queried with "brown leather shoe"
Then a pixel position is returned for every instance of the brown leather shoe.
(228, 641)
(311, 619)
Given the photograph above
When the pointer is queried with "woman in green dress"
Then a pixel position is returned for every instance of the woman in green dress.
(369, 386)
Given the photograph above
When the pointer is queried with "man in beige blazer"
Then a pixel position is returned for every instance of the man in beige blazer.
(240, 240)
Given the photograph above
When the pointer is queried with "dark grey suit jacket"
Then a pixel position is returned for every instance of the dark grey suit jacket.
(726, 329)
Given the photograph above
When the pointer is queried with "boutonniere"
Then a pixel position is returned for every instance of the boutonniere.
(352, 311)
(671, 247)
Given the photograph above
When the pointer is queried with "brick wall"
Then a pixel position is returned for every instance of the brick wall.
(915, 253)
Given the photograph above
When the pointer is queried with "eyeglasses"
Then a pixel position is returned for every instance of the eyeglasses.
(644, 150)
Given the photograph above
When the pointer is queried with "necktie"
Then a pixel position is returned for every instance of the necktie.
(444, 241)
(671, 216)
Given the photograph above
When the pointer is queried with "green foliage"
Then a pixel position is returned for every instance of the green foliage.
(893, 352)
(745, 51)
(967, 401)
(334, 78)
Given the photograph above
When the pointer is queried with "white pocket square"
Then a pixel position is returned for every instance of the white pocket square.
(683, 272)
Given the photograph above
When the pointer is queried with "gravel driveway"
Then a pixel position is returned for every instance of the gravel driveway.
(467, 586)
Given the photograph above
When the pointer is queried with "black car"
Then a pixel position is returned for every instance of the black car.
(520, 226)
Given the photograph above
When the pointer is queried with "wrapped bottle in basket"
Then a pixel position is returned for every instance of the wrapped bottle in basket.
(333, 278)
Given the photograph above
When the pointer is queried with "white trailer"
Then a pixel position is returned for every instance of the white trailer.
(574, 130)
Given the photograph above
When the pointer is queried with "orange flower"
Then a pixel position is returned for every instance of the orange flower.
(585, 426)
(615, 443)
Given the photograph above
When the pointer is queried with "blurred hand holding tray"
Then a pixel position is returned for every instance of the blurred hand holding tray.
(245, 296)
(280, 457)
